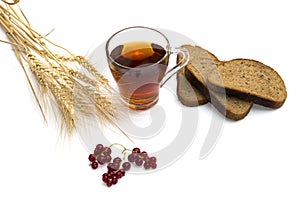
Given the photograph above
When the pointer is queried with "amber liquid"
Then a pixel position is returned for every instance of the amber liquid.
(138, 68)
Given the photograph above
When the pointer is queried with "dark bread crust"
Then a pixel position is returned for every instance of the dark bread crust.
(246, 96)
(197, 84)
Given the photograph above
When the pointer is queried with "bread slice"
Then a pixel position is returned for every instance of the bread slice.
(187, 94)
(249, 80)
(233, 108)
(201, 64)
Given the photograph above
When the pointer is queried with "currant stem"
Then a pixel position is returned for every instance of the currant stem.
(124, 151)
(117, 144)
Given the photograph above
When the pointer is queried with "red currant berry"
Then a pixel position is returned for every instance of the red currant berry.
(122, 171)
(146, 159)
(109, 183)
(105, 177)
(101, 160)
(147, 165)
(136, 156)
(117, 160)
(106, 151)
(153, 165)
(110, 167)
(119, 174)
(114, 180)
(110, 174)
(116, 166)
(92, 158)
(139, 161)
(126, 166)
(130, 158)
(108, 159)
(98, 152)
(144, 154)
(152, 159)
(94, 165)
(99, 146)
(136, 150)
(98, 149)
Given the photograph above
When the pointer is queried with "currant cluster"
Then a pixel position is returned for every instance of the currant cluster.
(142, 158)
(101, 156)
(112, 176)
(114, 173)
(117, 167)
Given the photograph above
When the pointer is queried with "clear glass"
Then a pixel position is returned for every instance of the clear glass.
(138, 59)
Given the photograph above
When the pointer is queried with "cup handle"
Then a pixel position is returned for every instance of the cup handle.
(184, 55)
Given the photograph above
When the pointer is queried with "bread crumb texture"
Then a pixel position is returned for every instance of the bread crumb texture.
(250, 77)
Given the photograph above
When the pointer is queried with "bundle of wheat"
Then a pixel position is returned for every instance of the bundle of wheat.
(66, 82)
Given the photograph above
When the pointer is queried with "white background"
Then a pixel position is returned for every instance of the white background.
(256, 158)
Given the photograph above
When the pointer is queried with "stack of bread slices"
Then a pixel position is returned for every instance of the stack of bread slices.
(231, 86)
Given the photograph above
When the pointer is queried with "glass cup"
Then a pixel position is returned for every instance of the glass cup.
(138, 59)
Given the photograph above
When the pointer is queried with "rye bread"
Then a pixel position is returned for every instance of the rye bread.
(187, 94)
(201, 64)
(249, 80)
(231, 107)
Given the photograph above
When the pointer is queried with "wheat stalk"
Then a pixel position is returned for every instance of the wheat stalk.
(58, 78)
